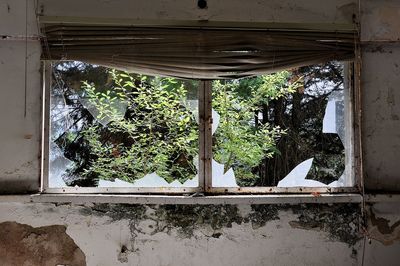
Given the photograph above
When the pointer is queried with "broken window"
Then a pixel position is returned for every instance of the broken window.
(113, 129)
(285, 129)
(198, 110)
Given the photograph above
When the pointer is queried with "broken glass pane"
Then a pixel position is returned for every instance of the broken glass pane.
(286, 129)
(60, 111)
(333, 121)
(58, 166)
(297, 177)
(123, 130)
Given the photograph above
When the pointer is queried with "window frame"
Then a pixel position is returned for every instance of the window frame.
(352, 160)
(205, 149)
(47, 81)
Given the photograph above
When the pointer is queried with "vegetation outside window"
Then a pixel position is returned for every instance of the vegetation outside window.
(233, 122)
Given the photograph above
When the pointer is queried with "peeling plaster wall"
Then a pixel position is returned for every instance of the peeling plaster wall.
(119, 234)
(21, 244)
(382, 242)
(202, 235)
(384, 222)
(104, 234)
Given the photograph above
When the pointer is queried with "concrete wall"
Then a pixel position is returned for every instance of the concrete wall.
(380, 40)
(118, 234)
(276, 11)
(20, 98)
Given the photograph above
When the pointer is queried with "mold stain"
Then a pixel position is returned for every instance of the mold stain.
(340, 221)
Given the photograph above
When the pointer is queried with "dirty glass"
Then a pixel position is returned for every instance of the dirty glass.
(285, 129)
(114, 129)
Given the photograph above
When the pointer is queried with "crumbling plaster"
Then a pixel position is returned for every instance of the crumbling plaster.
(384, 222)
(198, 235)
(21, 244)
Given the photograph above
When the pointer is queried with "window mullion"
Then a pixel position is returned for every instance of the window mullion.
(46, 83)
(208, 134)
(205, 138)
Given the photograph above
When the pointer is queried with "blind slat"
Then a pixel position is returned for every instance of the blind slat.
(195, 53)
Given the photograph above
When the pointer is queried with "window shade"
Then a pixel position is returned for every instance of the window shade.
(197, 53)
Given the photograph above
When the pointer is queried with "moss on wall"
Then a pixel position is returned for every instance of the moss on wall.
(339, 221)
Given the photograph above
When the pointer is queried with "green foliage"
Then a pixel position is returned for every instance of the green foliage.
(157, 133)
(263, 89)
(240, 142)
(269, 124)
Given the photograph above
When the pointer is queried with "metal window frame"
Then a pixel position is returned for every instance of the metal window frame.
(205, 149)
(45, 164)
(352, 155)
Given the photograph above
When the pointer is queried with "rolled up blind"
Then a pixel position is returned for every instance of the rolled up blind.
(193, 52)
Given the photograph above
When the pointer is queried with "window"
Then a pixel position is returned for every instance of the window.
(286, 131)
(110, 129)
(222, 125)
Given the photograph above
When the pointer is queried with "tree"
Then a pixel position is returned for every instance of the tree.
(241, 141)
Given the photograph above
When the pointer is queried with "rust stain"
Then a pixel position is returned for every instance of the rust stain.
(316, 194)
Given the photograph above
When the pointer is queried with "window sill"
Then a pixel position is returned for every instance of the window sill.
(291, 199)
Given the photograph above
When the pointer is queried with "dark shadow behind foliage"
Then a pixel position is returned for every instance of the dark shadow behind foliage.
(67, 77)
(301, 115)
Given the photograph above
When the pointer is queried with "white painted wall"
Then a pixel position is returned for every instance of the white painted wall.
(20, 90)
